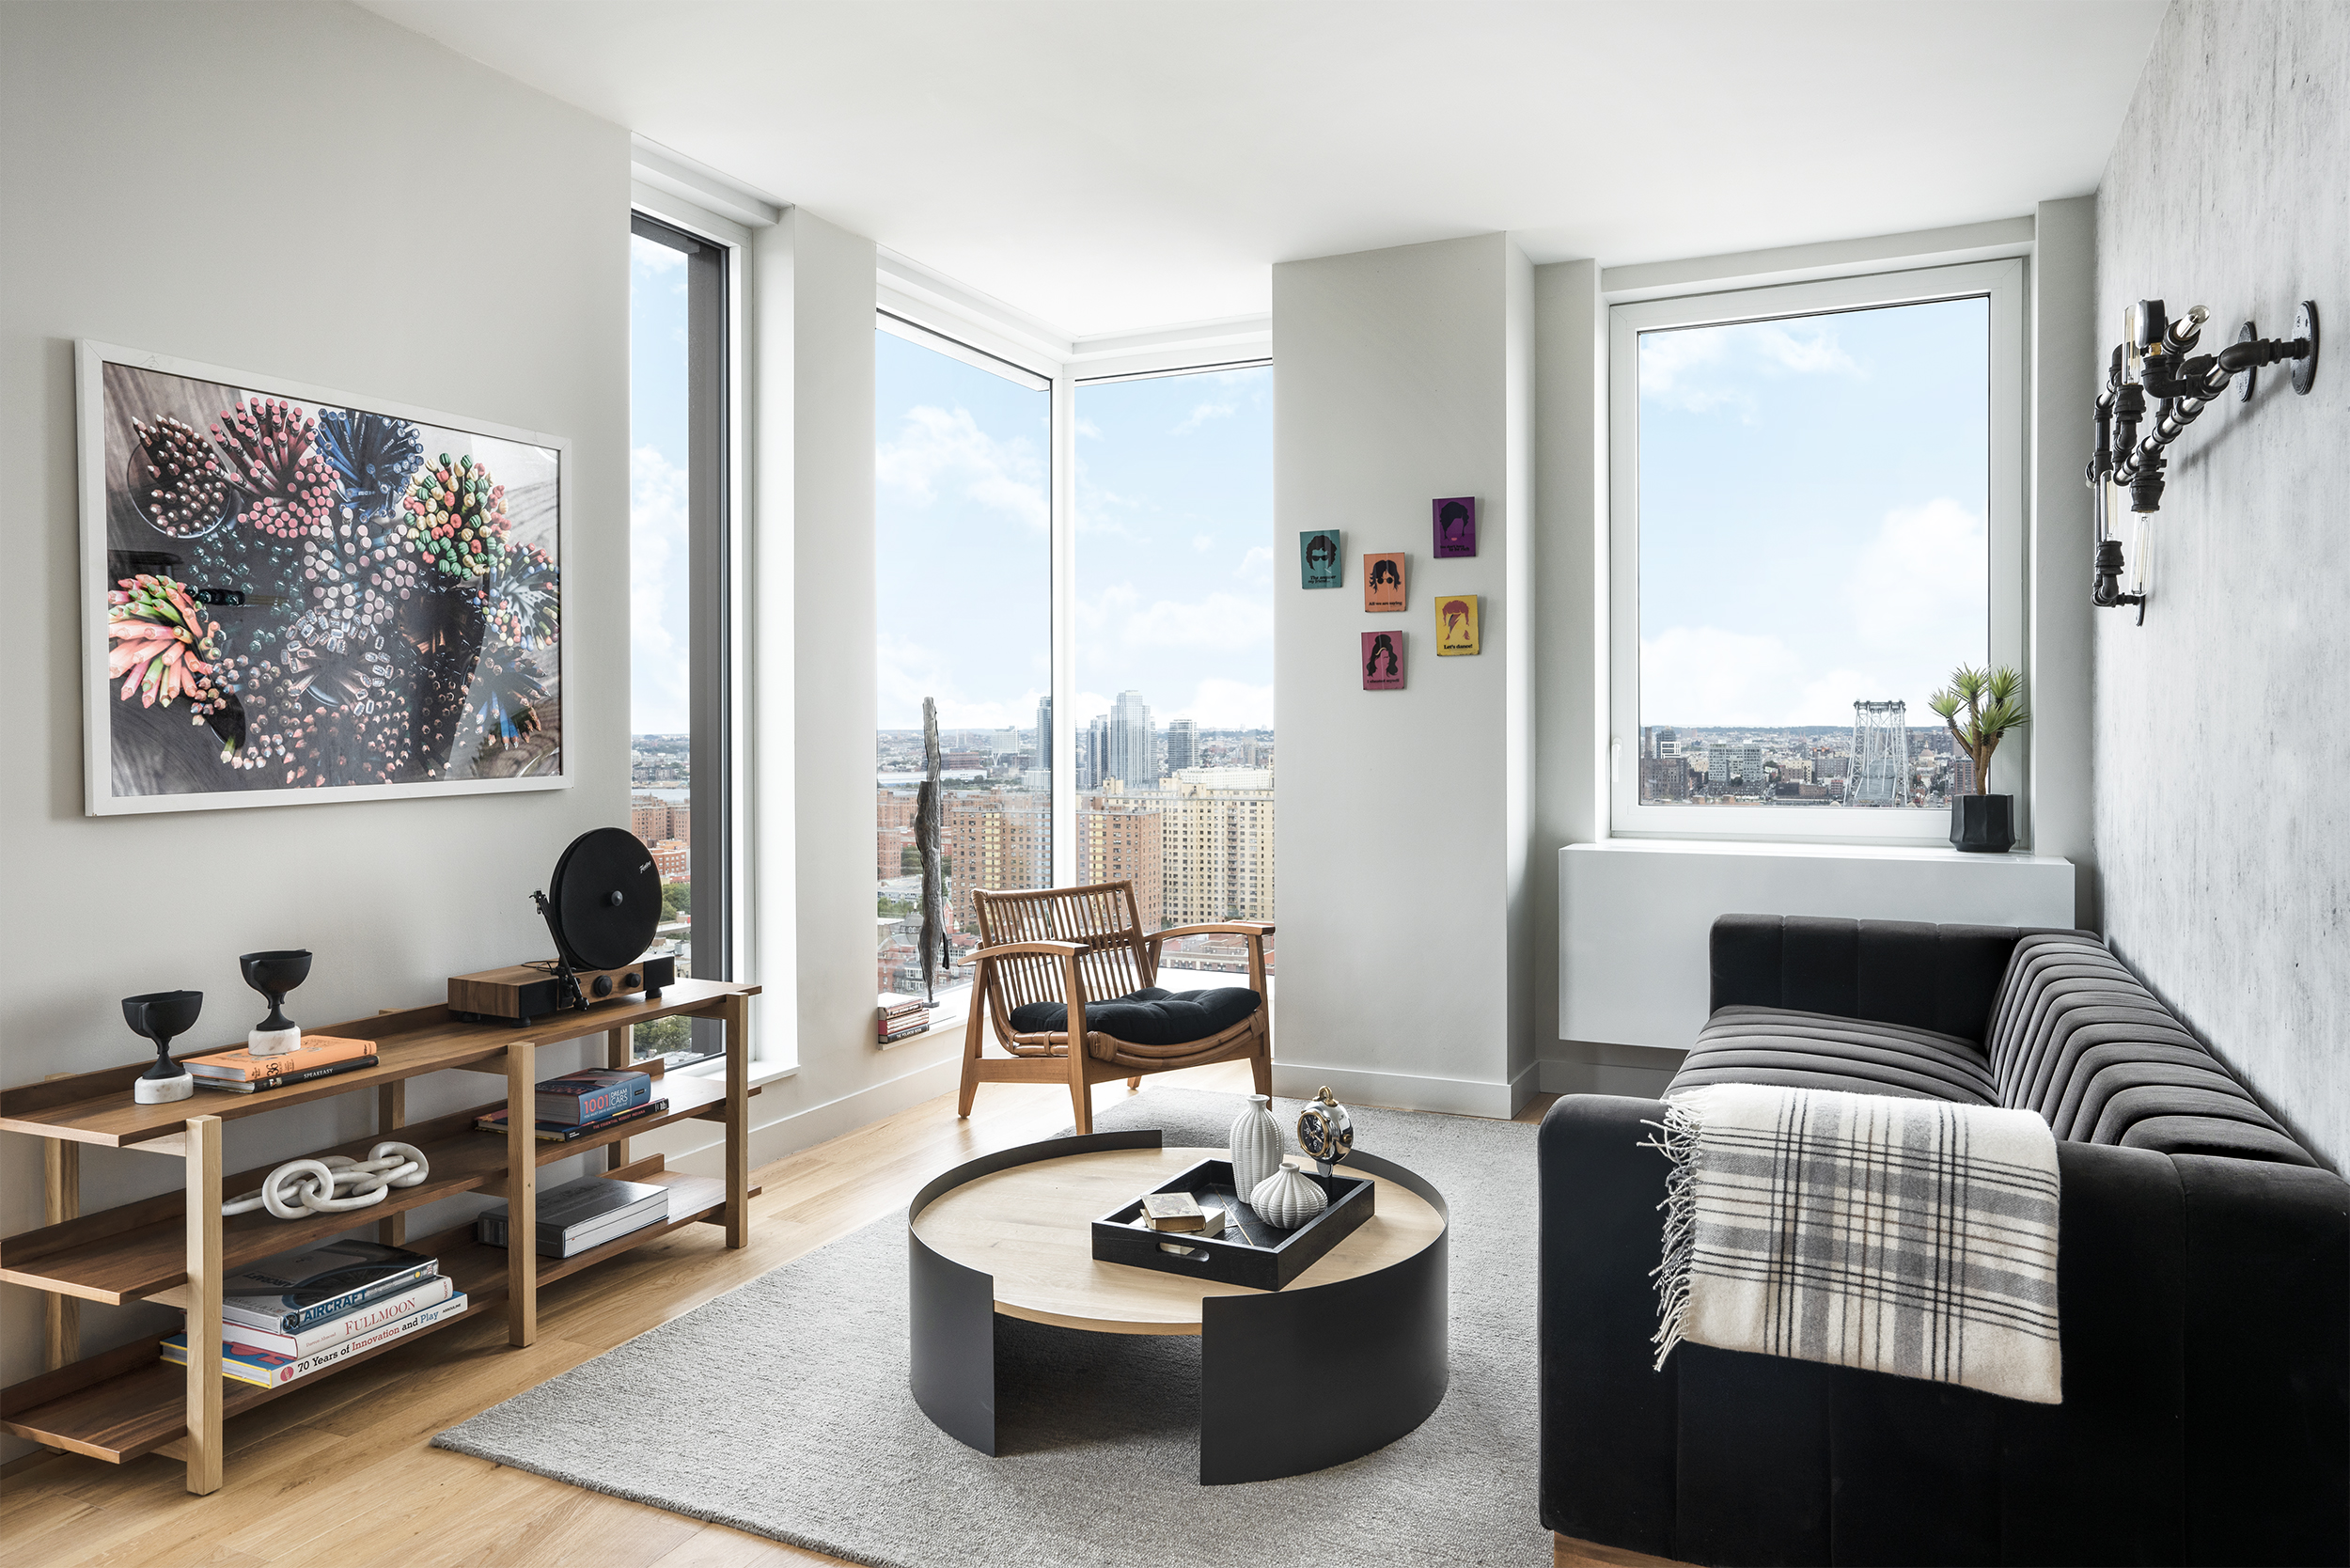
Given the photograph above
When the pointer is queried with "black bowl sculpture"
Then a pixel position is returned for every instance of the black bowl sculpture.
(163, 1016)
(273, 974)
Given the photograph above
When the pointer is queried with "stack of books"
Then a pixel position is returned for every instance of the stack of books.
(291, 1314)
(319, 1055)
(579, 1104)
(901, 1017)
(582, 1215)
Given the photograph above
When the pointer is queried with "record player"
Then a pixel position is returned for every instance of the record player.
(602, 906)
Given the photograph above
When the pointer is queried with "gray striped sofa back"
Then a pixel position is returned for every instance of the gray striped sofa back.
(2076, 1037)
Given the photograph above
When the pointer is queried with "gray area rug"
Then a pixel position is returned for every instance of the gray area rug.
(781, 1408)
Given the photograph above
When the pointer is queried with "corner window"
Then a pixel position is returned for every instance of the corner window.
(1817, 496)
(680, 759)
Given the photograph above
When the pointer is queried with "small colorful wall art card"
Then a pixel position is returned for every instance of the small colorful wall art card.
(1456, 526)
(1318, 557)
(1456, 623)
(1383, 661)
(1383, 585)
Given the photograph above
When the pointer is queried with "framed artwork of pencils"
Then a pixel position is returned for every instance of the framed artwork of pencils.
(1456, 623)
(293, 594)
(1383, 585)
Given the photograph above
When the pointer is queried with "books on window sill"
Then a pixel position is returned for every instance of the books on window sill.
(583, 1215)
(269, 1369)
(898, 1016)
(290, 1291)
(591, 1094)
(561, 1132)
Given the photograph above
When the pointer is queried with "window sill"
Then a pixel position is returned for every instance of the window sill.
(1795, 851)
(761, 1072)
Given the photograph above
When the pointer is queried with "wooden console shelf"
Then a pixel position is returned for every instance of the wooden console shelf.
(175, 1248)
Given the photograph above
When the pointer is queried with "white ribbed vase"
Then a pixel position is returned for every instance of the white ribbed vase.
(1288, 1199)
(1256, 1145)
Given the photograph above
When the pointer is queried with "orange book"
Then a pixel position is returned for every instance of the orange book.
(243, 1066)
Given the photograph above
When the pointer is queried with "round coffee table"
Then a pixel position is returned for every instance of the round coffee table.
(1349, 1357)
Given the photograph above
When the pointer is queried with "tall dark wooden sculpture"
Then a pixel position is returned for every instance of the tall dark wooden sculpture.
(926, 809)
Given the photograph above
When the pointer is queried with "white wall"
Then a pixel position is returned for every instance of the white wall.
(233, 184)
(1405, 925)
(2222, 822)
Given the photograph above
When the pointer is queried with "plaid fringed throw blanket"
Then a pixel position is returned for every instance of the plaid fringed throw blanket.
(1907, 1236)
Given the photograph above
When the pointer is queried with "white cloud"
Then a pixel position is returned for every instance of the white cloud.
(1218, 704)
(1087, 427)
(1222, 621)
(1919, 583)
(654, 256)
(1202, 415)
(936, 449)
(907, 671)
(661, 696)
(1203, 541)
(1700, 368)
(1256, 566)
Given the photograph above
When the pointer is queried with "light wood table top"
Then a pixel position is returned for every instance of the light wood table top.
(1030, 1227)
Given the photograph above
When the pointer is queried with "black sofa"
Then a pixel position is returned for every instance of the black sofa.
(2204, 1285)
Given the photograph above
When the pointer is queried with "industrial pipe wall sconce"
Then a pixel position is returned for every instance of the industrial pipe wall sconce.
(2155, 359)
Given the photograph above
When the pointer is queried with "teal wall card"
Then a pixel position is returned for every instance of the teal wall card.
(1318, 558)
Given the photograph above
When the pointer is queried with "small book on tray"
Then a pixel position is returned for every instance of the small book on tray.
(591, 1094)
(1173, 1210)
(294, 1291)
(267, 1369)
(563, 1132)
(582, 1215)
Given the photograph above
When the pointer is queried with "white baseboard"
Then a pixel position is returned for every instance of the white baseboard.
(793, 1131)
(1402, 1090)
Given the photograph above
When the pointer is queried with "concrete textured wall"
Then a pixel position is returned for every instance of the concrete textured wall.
(131, 217)
(2222, 753)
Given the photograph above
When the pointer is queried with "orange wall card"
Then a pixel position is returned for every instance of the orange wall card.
(1383, 584)
(1456, 623)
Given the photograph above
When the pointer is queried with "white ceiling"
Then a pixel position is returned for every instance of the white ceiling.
(1111, 166)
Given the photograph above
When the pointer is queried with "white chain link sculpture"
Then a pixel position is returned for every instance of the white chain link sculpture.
(300, 1188)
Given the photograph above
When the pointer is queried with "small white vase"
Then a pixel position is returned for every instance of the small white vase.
(1256, 1145)
(1288, 1199)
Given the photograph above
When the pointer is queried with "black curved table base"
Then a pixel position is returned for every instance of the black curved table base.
(1291, 1381)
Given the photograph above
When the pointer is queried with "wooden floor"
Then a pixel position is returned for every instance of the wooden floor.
(340, 1476)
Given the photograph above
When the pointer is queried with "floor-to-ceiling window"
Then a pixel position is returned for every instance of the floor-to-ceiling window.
(962, 580)
(677, 571)
(1172, 710)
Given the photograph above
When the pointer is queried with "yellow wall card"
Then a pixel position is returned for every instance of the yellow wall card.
(1456, 623)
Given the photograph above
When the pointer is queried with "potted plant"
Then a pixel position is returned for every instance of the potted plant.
(1993, 704)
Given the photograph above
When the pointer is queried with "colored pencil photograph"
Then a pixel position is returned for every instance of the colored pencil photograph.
(1383, 584)
(1383, 661)
(1456, 623)
(1318, 558)
(1456, 526)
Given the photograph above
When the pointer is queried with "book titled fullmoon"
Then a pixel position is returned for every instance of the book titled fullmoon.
(1383, 661)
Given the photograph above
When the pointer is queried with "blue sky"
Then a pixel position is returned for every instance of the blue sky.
(657, 495)
(1812, 495)
(1174, 592)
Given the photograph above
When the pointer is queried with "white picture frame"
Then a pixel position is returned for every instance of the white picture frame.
(133, 765)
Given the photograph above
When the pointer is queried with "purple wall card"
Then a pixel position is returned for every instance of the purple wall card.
(1383, 661)
(1456, 526)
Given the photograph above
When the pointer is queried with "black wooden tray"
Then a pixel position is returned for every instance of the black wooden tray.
(1252, 1251)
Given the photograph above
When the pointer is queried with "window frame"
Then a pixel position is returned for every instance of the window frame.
(2002, 282)
(713, 321)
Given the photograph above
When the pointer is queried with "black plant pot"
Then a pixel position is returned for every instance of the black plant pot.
(1982, 824)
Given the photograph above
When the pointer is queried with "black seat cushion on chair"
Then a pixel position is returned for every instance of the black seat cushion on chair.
(1149, 1016)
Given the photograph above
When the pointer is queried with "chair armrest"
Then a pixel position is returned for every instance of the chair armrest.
(1259, 929)
(1015, 949)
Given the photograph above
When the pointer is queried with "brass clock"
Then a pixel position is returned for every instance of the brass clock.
(1325, 1131)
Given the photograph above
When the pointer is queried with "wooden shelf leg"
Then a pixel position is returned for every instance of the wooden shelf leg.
(616, 1056)
(521, 1194)
(391, 1114)
(736, 1011)
(61, 1199)
(204, 1280)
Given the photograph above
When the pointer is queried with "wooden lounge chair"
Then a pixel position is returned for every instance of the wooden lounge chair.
(1063, 964)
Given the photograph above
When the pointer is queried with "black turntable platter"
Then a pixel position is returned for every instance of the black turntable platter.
(606, 899)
